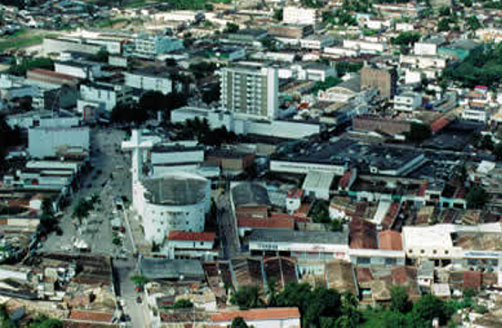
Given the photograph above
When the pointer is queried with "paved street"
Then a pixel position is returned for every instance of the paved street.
(110, 178)
(125, 269)
(226, 227)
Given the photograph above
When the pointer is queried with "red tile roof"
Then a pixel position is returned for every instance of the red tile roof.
(472, 279)
(279, 223)
(53, 74)
(258, 314)
(191, 236)
(362, 234)
(390, 240)
(275, 215)
(345, 180)
(439, 124)
(422, 190)
(364, 275)
(91, 316)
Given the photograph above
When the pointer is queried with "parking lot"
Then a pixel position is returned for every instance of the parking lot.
(110, 179)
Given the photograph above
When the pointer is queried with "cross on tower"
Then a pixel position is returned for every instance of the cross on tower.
(136, 146)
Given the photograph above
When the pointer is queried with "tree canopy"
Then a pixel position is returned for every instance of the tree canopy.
(29, 63)
(399, 300)
(482, 66)
(418, 132)
(476, 197)
(247, 297)
(239, 323)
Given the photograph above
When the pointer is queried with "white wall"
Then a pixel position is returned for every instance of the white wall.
(425, 49)
(271, 323)
(174, 157)
(153, 83)
(304, 168)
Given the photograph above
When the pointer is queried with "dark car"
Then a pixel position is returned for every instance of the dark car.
(138, 299)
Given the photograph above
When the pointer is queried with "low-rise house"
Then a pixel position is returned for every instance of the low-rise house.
(259, 318)
(407, 101)
(191, 245)
(151, 79)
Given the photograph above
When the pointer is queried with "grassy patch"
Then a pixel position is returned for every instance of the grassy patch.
(110, 22)
(22, 39)
(135, 4)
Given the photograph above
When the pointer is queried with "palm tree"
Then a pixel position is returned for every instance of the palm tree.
(272, 292)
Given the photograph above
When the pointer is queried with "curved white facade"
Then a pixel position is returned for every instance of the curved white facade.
(174, 201)
(160, 219)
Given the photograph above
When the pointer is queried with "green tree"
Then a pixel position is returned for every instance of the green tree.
(295, 294)
(28, 63)
(101, 56)
(238, 323)
(429, 307)
(211, 94)
(351, 316)
(183, 304)
(444, 11)
(231, 28)
(278, 14)
(247, 297)
(45, 322)
(487, 142)
(152, 101)
(139, 280)
(336, 225)
(497, 151)
(320, 212)
(470, 292)
(400, 301)
(393, 319)
(319, 306)
(47, 219)
(272, 292)
(312, 3)
(405, 39)
(81, 210)
(476, 197)
(444, 25)
(473, 23)
(418, 132)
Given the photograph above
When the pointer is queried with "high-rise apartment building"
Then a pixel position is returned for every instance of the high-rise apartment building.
(383, 79)
(250, 90)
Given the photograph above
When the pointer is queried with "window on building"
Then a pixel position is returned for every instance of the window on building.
(363, 260)
(390, 261)
(446, 252)
(422, 251)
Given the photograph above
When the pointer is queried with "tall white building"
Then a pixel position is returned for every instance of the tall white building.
(148, 45)
(250, 91)
(173, 201)
(303, 16)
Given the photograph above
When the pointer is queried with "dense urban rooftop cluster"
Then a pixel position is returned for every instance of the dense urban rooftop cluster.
(263, 163)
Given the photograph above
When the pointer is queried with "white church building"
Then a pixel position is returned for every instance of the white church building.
(173, 201)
